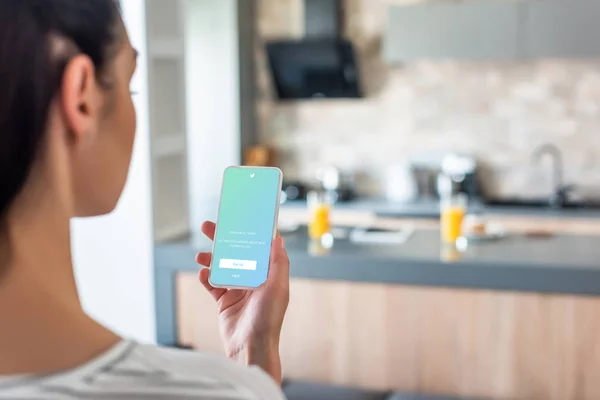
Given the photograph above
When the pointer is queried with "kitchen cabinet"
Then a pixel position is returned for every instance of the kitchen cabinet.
(411, 319)
(472, 30)
(475, 344)
(561, 29)
(493, 30)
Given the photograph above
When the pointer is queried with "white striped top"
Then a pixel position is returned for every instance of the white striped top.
(134, 371)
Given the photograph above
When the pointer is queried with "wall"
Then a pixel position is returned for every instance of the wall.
(499, 111)
(213, 101)
(113, 254)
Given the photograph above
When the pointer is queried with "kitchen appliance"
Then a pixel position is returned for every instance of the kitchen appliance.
(458, 175)
(446, 186)
(294, 191)
(323, 64)
(313, 69)
(339, 184)
(401, 184)
(425, 181)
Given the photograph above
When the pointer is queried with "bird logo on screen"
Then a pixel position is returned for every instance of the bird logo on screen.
(252, 175)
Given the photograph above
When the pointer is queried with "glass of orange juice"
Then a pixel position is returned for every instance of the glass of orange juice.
(319, 208)
(453, 210)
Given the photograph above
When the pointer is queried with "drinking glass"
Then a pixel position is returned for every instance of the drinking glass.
(453, 211)
(319, 208)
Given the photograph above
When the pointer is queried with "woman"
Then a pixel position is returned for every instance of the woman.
(67, 127)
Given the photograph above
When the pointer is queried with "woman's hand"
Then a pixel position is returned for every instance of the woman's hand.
(251, 320)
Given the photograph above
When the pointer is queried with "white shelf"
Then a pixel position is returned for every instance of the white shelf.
(168, 145)
(167, 88)
(167, 99)
(165, 18)
(170, 201)
(166, 48)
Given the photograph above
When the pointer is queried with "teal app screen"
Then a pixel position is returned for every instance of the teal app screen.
(245, 227)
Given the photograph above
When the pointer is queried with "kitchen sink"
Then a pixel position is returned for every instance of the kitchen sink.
(542, 203)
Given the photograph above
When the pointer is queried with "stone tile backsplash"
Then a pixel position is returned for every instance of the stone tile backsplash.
(500, 112)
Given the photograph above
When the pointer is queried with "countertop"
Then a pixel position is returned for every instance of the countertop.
(563, 264)
(567, 264)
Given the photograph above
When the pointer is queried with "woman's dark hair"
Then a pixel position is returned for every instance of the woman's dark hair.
(31, 72)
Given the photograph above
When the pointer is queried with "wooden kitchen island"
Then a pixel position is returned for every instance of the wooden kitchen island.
(514, 319)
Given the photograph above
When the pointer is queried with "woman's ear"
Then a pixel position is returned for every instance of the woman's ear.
(80, 99)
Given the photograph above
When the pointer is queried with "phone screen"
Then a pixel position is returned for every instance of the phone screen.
(245, 226)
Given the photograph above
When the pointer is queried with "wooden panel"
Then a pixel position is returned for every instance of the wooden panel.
(197, 318)
(468, 343)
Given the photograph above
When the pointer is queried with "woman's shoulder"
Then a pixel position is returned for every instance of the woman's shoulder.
(145, 371)
(188, 371)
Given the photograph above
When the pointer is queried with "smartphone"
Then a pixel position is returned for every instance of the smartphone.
(246, 227)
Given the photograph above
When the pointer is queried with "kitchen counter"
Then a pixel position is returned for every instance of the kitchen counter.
(472, 324)
(430, 209)
(562, 264)
(559, 264)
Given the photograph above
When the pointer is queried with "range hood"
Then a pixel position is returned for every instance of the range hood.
(322, 65)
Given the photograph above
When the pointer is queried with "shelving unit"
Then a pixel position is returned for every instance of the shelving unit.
(168, 145)
(166, 21)
(167, 49)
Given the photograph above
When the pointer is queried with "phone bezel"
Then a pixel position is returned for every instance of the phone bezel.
(275, 221)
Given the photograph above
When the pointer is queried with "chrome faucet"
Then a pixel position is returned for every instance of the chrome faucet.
(560, 193)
